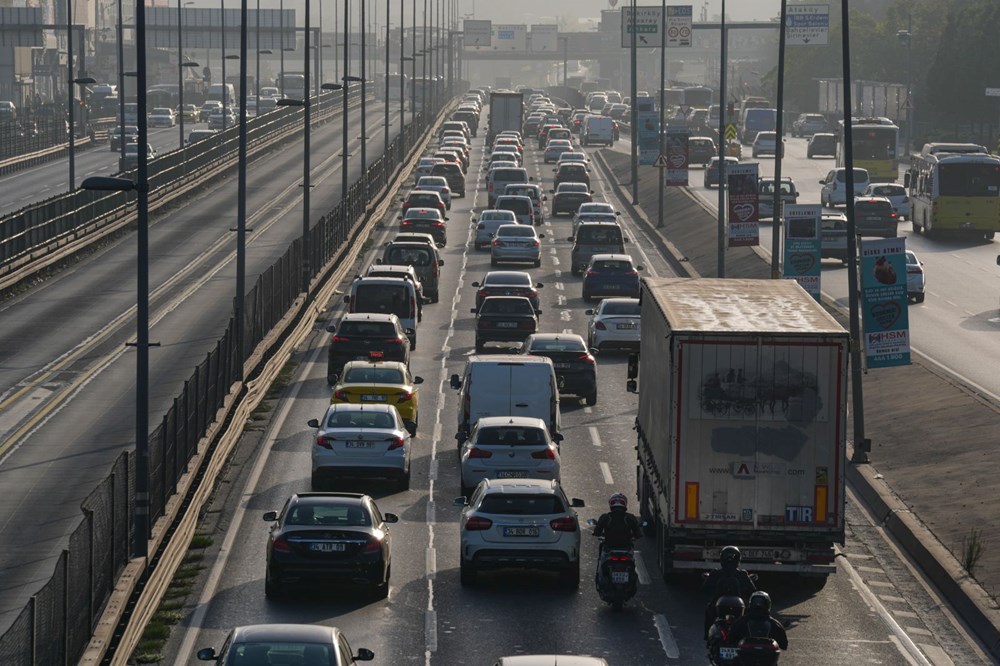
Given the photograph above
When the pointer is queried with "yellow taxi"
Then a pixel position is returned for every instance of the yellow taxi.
(383, 383)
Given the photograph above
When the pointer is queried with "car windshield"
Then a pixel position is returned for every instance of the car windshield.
(409, 256)
(384, 299)
(324, 514)
(374, 375)
(620, 308)
(507, 306)
(511, 436)
(366, 329)
(561, 345)
(521, 505)
(360, 419)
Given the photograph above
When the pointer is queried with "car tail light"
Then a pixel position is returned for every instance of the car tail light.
(480, 453)
(325, 442)
(548, 453)
(587, 358)
(619, 558)
(482, 293)
(632, 272)
(407, 223)
(373, 546)
(535, 243)
(497, 242)
(281, 545)
(591, 273)
(438, 223)
(528, 324)
(480, 226)
(395, 443)
(340, 395)
(406, 396)
(476, 523)
(564, 524)
(600, 326)
(396, 340)
(339, 338)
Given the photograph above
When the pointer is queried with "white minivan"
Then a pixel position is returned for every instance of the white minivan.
(387, 295)
(597, 129)
(506, 385)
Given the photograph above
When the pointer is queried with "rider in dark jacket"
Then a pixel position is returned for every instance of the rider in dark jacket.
(729, 570)
(618, 527)
(758, 623)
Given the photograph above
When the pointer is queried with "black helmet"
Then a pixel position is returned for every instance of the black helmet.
(730, 555)
(729, 606)
(760, 604)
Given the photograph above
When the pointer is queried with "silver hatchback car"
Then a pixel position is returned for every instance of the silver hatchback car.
(509, 447)
(516, 242)
(519, 524)
(488, 223)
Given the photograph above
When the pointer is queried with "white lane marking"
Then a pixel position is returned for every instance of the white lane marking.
(560, 300)
(567, 331)
(430, 633)
(640, 569)
(595, 437)
(588, 410)
(430, 560)
(249, 490)
(565, 315)
(560, 286)
(557, 273)
(555, 261)
(667, 641)
(606, 473)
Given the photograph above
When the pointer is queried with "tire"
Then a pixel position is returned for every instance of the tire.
(919, 298)
(466, 490)
(570, 577)
(592, 399)
(480, 345)
(493, 262)
(315, 482)
(381, 590)
(467, 573)
(404, 483)
(587, 298)
(272, 591)
(538, 263)
(617, 604)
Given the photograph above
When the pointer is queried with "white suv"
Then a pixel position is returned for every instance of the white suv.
(509, 447)
(520, 524)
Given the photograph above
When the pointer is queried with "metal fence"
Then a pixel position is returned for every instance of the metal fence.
(22, 137)
(56, 625)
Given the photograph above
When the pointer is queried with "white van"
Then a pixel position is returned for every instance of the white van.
(499, 178)
(506, 385)
(598, 129)
(387, 295)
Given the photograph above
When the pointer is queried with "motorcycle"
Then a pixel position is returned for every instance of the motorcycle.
(758, 652)
(616, 578)
(721, 650)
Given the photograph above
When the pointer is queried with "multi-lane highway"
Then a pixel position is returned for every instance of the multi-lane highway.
(875, 610)
(67, 380)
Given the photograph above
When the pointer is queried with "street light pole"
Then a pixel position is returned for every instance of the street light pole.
(305, 160)
(777, 206)
(661, 175)
(256, 69)
(241, 214)
(402, 65)
(723, 105)
(225, 90)
(423, 88)
(364, 95)
(69, 95)
(413, 68)
(385, 135)
(343, 113)
(180, 69)
(121, 83)
(634, 110)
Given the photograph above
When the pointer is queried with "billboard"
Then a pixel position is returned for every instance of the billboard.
(477, 33)
(744, 209)
(803, 244)
(883, 302)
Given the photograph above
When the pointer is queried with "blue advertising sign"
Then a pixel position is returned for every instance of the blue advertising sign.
(803, 239)
(649, 137)
(883, 300)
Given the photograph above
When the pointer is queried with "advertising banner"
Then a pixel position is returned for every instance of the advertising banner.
(803, 239)
(883, 302)
(744, 209)
(677, 156)
(649, 137)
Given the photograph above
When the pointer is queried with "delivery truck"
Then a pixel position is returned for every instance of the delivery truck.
(506, 113)
(741, 424)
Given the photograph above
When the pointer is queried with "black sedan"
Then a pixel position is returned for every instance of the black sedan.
(567, 197)
(317, 537)
(363, 335)
(425, 220)
(286, 644)
(572, 172)
(507, 283)
(575, 366)
(504, 319)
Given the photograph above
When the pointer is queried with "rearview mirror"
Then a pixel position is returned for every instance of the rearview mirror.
(364, 654)
(557, 437)
(589, 311)
(441, 261)
(552, 191)
(390, 517)
(541, 235)
(475, 284)
(331, 328)
(473, 310)
(207, 654)
(460, 501)
(347, 298)
(538, 312)
(639, 268)
(633, 366)
(570, 239)
(455, 382)
(577, 503)
(418, 380)
(539, 285)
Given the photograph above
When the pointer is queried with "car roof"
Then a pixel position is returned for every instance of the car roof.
(873, 198)
(508, 275)
(297, 633)
(426, 192)
(521, 486)
(370, 316)
(361, 407)
(507, 298)
(595, 223)
(513, 196)
(551, 660)
(527, 421)
(611, 257)
(620, 300)
(392, 268)
(384, 280)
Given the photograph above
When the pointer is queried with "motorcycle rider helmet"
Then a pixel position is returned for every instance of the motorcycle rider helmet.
(730, 555)
(730, 606)
(618, 501)
(760, 604)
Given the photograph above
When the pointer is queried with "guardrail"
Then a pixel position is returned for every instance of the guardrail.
(94, 581)
(46, 232)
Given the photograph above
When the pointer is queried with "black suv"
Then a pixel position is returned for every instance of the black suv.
(425, 221)
(575, 366)
(366, 336)
(452, 171)
(504, 319)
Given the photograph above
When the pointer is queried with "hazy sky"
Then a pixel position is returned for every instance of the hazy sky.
(533, 11)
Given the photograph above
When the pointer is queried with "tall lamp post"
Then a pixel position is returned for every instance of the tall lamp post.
(225, 90)
(281, 68)
(181, 65)
(80, 81)
(343, 110)
(904, 37)
(385, 134)
(121, 82)
(364, 93)
(241, 214)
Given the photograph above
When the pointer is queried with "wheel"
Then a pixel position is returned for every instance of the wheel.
(479, 345)
(380, 590)
(466, 490)
(315, 482)
(467, 573)
(404, 483)
(434, 297)
(919, 298)
(617, 604)
(538, 263)
(586, 297)
(493, 262)
(570, 577)
(592, 399)
(271, 590)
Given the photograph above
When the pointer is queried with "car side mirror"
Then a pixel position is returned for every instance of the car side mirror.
(347, 298)
(455, 382)
(441, 261)
(446, 218)
(313, 423)
(379, 261)
(557, 437)
(639, 268)
(390, 517)
(207, 654)
(552, 191)
(364, 654)
(633, 366)
(331, 328)
(625, 239)
(577, 503)
(271, 516)
(473, 221)
(439, 246)
(538, 312)
(822, 182)
(541, 235)
(539, 285)
(589, 311)
(460, 501)
(544, 198)
(594, 351)
(570, 239)
(618, 212)
(592, 191)
(531, 179)
(475, 284)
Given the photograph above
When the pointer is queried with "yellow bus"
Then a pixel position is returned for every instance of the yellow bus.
(875, 148)
(954, 190)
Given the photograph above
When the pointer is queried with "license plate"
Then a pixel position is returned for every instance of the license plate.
(520, 531)
(506, 324)
(612, 287)
(358, 445)
(563, 366)
(626, 327)
(619, 577)
(511, 474)
(327, 547)
(728, 653)
(373, 397)
(758, 554)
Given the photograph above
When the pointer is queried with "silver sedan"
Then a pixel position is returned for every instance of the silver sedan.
(360, 441)
(516, 243)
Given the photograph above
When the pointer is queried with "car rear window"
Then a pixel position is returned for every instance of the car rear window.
(603, 234)
(620, 309)
(888, 190)
(767, 187)
(383, 299)
(410, 256)
(860, 176)
(517, 206)
(521, 505)
(872, 207)
(833, 224)
(374, 375)
(613, 265)
(516, 175)
(572, 170)
(424, 199)
(507, 279)
(367, 329)
(446, 168)
(576, 188)
(511, 435)
(327, 514)
(505, 215)
(360, 419)
(511, 306)
(519, 230)
(557, 346)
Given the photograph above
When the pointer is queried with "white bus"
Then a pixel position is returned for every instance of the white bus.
(294, 86)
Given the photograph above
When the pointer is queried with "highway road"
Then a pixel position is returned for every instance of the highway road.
(874, 611)
(62, 343)
(22, 188)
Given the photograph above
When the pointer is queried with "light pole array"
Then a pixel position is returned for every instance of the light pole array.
(364, 79)
(181, 64)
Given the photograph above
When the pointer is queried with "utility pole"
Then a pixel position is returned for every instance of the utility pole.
(721, 227)
(662, 137)
(241, 203)
(778, 204)
(634, 110)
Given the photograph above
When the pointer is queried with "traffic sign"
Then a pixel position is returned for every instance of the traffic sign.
(661, 162)
(510, 38)
(730, 132)
(544, 38)
(478, 33)
(648, 21)
(807, 25)
(679, 26)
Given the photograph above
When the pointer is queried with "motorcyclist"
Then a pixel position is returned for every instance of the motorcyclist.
(618, 527)
(758, 623)
(729, 568)
(728, 609)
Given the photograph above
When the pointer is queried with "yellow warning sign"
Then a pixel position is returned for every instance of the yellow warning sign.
(730, 132)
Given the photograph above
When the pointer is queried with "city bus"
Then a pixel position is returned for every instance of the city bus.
(294, 86)
(698, 97)
(876, 143)
(954, 190)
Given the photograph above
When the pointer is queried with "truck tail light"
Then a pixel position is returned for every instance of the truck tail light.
(691, 501)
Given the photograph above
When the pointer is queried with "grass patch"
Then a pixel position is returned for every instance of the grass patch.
(282, 381)
(187, 571)
(179, 591)
(199, 541)
(972, 550)
(261, 411)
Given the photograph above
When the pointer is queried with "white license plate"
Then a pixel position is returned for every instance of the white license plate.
(563, 366)
(506, 324)
(511, 474)
(327, 547)
(358, 445)
(373, 397)
(612, 287)
(626, 327)
(619, 577)
(728, 653)
(758, 554)
(520, 531)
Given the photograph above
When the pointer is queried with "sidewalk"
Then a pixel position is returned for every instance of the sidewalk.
(935, 454)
